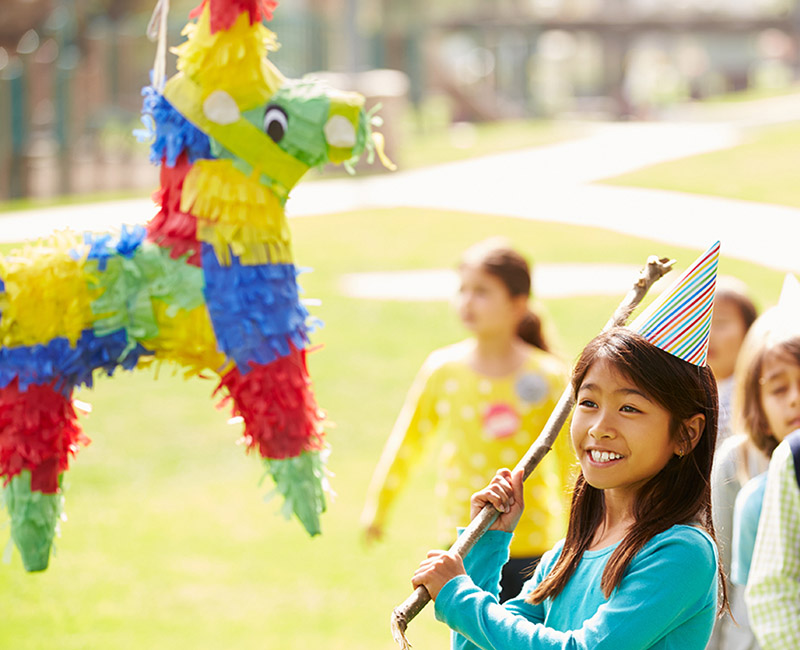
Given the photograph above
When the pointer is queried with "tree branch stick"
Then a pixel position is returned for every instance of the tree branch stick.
(413, 605)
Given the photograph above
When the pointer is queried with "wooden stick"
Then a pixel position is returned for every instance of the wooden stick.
(413, 605)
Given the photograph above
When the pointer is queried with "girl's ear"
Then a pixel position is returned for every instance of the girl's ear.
(693, 427)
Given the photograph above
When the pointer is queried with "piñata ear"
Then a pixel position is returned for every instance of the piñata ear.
(678, 321)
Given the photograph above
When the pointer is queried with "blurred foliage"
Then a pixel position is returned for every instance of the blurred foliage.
(117, 9)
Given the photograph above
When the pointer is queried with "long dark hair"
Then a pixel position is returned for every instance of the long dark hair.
(679, 494)
(512, 269)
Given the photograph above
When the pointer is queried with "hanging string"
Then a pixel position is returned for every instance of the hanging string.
(157, 29)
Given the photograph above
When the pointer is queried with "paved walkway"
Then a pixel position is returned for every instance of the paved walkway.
(549, 281)
(552, 183)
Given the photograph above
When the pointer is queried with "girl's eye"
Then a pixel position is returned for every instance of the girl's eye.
(629, 409)
(588, 403)
(776, 387)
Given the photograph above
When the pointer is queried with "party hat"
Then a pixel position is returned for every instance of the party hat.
(790, 296)
(678, 321)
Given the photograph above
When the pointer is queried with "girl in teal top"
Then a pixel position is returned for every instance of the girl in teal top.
(638, 568)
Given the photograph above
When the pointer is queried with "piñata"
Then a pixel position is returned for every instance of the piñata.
(210, 283)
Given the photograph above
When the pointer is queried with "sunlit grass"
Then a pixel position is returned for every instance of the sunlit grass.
(752, 94)
(168, 543)
(460, 141)
(13, 205)
(764, 169)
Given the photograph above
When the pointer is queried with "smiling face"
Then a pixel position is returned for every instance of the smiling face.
(485, 305)
(779, 392)
(622, 437)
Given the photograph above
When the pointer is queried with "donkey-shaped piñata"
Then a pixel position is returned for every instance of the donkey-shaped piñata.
(210, 284)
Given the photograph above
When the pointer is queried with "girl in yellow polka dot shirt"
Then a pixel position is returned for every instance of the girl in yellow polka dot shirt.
(485, 399)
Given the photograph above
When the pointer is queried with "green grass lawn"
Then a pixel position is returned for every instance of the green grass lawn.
(168, 542)
(763, 169)
(13, 205)
(752, 94)
(441, 145)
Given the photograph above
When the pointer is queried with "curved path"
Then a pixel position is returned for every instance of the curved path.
(551, 183)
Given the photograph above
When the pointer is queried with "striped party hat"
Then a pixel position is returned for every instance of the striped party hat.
(790, 295)
(678, 321)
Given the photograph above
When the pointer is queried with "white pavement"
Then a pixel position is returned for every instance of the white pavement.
(552, 183)
(549, 281)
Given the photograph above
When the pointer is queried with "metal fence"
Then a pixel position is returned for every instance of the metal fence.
(68, 107)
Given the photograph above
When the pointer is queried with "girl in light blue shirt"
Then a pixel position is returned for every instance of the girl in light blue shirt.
(638, 568)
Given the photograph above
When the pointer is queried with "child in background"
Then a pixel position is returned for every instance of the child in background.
(485, 399)
(638, 567)
(766, 350)
(773, 590)
(734, 313)
(771, 411)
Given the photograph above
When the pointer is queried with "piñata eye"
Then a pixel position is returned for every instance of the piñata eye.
(275, 123)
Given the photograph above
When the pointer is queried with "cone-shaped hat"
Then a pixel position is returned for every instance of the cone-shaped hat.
(789, 302)
(678, 321)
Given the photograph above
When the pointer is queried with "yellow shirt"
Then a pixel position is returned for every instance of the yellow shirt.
(483, 423)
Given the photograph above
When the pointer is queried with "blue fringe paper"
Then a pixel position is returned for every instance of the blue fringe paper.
(71, 366)
(102, 246)
(169, 131)
(255, 309)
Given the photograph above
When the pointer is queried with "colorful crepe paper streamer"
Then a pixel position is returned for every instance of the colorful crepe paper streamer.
(211, 283)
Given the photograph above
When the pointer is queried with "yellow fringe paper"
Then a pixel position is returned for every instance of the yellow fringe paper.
(380, 146)
(46, 294)
(186, 337)
(242, 138)
(236, 211)
(233, 60)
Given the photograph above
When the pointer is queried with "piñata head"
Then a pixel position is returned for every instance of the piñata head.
(210, 284)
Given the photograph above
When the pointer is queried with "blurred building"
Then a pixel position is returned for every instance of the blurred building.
(71, 74)
(71, 71)
(612, 57)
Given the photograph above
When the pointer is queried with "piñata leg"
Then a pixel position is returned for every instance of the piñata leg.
(38, 433)
(284, 424)
(261, 325)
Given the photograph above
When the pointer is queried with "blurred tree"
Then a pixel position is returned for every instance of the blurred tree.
(19, 16)
(116, 10)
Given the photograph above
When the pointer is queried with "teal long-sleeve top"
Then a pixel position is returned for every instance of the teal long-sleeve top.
(667, 599)
(746, 514)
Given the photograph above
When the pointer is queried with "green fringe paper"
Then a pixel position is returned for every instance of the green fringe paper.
(34, 520)
(302, 483)
(129, 286)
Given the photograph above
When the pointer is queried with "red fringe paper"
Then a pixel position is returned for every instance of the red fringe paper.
(39, 432)
(280, 414)
(225, 12)
(171, 228)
